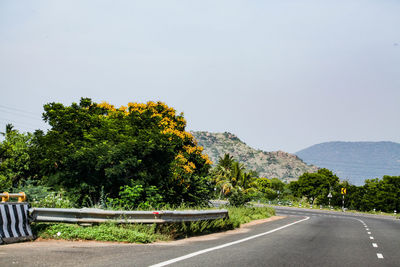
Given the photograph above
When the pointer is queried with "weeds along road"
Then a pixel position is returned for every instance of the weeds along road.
(301, 238)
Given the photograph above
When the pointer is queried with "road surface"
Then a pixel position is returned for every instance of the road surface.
(300, 238)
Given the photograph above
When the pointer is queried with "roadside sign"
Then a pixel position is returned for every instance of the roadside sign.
(344, 191)
(329, 195)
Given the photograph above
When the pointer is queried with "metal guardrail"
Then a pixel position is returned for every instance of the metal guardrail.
(86, 215)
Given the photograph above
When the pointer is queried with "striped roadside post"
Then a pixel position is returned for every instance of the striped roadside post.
(14, 222)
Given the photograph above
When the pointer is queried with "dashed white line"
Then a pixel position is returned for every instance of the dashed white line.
(379, 255)
(371, 237)
(375, 245)
(369, 233)
(367, 229)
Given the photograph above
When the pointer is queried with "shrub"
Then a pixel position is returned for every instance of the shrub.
(238, 198)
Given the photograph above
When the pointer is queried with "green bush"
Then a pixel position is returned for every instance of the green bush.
(238, 199)
(135, 196)
(41, 196)
(53, 200)
(241, 215)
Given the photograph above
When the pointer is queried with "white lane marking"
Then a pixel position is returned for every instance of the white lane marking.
(367, 229)
(379, 255)
(164, 263)
(375, 245)
(369, 233)
(371, 237)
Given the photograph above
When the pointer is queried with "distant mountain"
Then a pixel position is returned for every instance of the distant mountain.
(277, 164)
(355, 161)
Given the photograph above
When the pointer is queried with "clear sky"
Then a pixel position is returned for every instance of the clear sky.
(282, 75)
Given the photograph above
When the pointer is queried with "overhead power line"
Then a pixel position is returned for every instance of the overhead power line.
(17, 109)
(13, 113)
(22, 124)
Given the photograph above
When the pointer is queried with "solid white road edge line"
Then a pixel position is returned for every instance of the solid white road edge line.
(164, 263)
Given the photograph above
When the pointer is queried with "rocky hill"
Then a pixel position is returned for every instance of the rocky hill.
(355, 161)
(278, 164)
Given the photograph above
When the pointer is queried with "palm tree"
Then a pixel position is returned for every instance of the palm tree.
(230, 176)
(9, 129)
(248, 183)
(222, 180)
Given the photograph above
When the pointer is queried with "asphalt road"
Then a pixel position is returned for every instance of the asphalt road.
(301, 238)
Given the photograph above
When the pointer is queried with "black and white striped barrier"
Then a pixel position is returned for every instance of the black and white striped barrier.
(14, 222)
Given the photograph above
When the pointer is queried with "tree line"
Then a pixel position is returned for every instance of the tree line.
(140, 155)
(321, 188)
(96, 151)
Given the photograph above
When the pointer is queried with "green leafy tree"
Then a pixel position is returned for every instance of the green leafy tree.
(14, 158)
(390, 188)
(264, 186)
(380, 194)
(316, 186)
(277, 185)
(92, 146)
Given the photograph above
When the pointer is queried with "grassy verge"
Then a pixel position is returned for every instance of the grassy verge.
(136, 233)
(101, 232)
(335, 208)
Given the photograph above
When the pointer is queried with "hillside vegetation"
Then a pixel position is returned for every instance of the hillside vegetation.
(279, 164)
(355, 161)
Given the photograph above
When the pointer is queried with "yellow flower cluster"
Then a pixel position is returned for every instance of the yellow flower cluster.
(107, 106)
(187, 166)
(123, 109)
(154, 107)
(181, 134)
(166, 115)
(197, 150)
(193, 149)
(136, 107)
(207, 159)
(167, 123)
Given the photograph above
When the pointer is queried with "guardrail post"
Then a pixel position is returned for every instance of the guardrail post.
(22, 197)
(5, 197)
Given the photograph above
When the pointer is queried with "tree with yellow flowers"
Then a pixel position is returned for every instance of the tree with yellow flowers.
(93, 147)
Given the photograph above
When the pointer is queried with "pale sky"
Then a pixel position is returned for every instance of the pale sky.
(281, 75)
